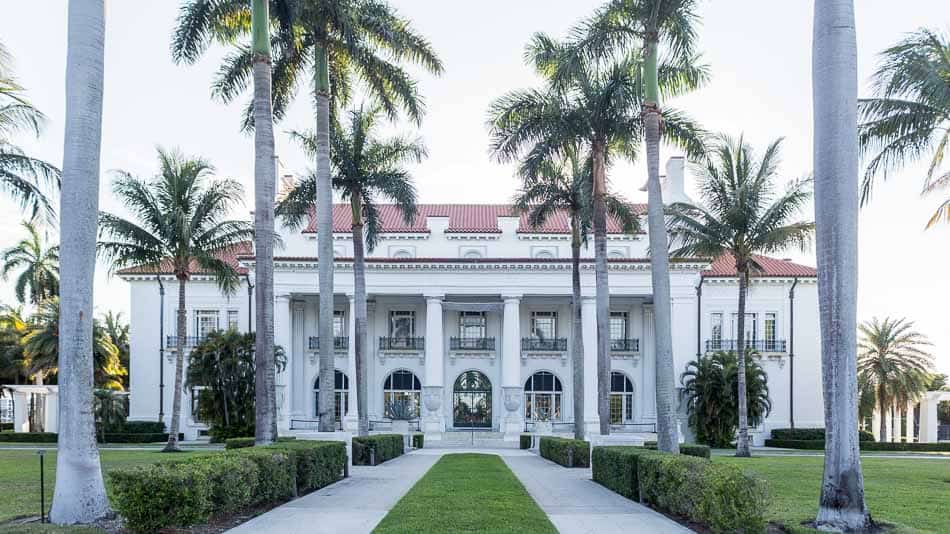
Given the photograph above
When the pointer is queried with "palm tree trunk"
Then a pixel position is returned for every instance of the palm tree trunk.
(324, 241)
(667, 432)
(742, 443)
(881, 399)
(182, 330)
(80, 495)
(265, 178)
(359, 302)
(603, 290)
(835, 86)
(577, 330)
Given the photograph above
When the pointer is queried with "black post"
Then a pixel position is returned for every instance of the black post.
(250, 294)
(42, 454)
(161, 349)
(791, 353)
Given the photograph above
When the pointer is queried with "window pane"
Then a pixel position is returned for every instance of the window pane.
(616, 409)
(402, 324)
(544, 325)
(339, 323)
(769, 327)
(618, 325)
(472, 324)
(233, 319)
(206, 321)
(716, 331)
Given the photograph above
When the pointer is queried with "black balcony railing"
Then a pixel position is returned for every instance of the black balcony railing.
(402, 343)
(190, 342)
(472, 343)
(555, 344)
(757, 345)
(624, 345)
(339, 343)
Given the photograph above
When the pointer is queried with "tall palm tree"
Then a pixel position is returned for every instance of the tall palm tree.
(179, 224)
(265, 178)
(595, 107)
(365, 168)
(39, 263)
(13, 327)
(23, 178)
(894, 361)
(909, 117)
(80, 495)
(741, 215)
(339, 42)
(566, 187)
(618, 27)
(836, 157)
(118, 331)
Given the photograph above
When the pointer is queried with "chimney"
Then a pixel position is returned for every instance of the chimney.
(437, 224)
(674, 189)
(508, 224)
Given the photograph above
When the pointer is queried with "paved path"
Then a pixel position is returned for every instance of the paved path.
(576, 504)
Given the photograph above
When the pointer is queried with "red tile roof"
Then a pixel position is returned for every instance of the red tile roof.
(230, 256)
(463, 218)
(725, 266)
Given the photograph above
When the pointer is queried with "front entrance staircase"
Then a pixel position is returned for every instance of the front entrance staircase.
(467, 439)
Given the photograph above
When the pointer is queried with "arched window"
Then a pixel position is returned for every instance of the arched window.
(341, 389)
(544, 255)
(402, 254)
(402, 388)
(616, 255)
(542, 397)
(621, 398)
(473, 254)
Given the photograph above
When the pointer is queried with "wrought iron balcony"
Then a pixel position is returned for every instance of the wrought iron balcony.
(554, 344)
(339, 343)
(190, 342)
(756, 345)
(624, 345)
(472, 343)
(402, 343)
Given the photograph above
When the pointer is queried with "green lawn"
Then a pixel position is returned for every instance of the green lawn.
(467, 493)
(20, 476)
(906, 492)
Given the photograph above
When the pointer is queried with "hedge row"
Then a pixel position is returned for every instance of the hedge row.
(819, 445)
(524, 441)
(689, 449)
(810, 434)
(719, 496)
(188, 492)
(238, 443)
(387, 447)
(418, 441)
(136, 427)
(136, 438)
(28, 437)
(556, 450)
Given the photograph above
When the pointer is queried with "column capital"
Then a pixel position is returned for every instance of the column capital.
(511, 297)
(434, 297)
(283, 297)
(298, 305)
(588, 299)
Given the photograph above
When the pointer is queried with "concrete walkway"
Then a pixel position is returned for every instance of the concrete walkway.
(576, 504)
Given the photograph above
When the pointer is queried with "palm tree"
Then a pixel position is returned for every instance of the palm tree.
(180, 225)
(741, 215)
(894, 362)
(21, 177)
(566, 187)
(836, 157)
(41, 349)
(365, 168)
(909, 117)
(618, 27)
(39, 263)
(339, 41)
(596, 107)
(118, 331)
(80, 495)
(13, 327)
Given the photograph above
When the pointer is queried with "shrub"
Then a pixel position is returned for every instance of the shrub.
(136, 427)
(233, 481)
(136, 438)
(819, 445)
(556, 450)
(688, 449)
(812, 434)
(6, 426)
(238, 443)
(525, 441)
(151, 497)
(717, 495)
(616, 469)
(418, 441)
(318, 463)
(28, 437)
(387, 447)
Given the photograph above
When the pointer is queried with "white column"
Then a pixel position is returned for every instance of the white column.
(589, 329)
(433, 421)
(352, 418)
(928, 417)
(298, 371)
(910, 421)
(511, 368)
(649, 366)
(282, 337)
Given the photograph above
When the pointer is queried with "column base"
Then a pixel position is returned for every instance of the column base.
(512, 427)
(350, 423)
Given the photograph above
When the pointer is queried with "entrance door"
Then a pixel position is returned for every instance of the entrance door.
(472, 401)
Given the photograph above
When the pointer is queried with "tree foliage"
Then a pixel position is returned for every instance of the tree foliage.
(37, 263)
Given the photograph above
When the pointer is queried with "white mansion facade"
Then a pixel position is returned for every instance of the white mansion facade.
(469, 320)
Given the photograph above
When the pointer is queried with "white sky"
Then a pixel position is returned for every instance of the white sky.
(760, 58)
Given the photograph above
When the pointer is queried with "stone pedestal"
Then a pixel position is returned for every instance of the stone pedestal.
(401, 426)
(513, 423)
(433, 424)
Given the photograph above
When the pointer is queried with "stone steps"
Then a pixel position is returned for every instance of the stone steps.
(471, 440)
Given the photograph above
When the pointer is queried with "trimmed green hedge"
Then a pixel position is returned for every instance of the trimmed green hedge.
(819, 445)
(615, 468)
(178, 494)
(556, 450)
(137, 438)
(238, 443)
(689, 449)
(136, 427)
(524, 441)
(387, 447)
(810, 434)
(418, 441)
(28, 437)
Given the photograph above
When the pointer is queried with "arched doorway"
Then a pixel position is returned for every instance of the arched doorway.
(472, 401)
(542, 397)
(621, 399)
(341, 392)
